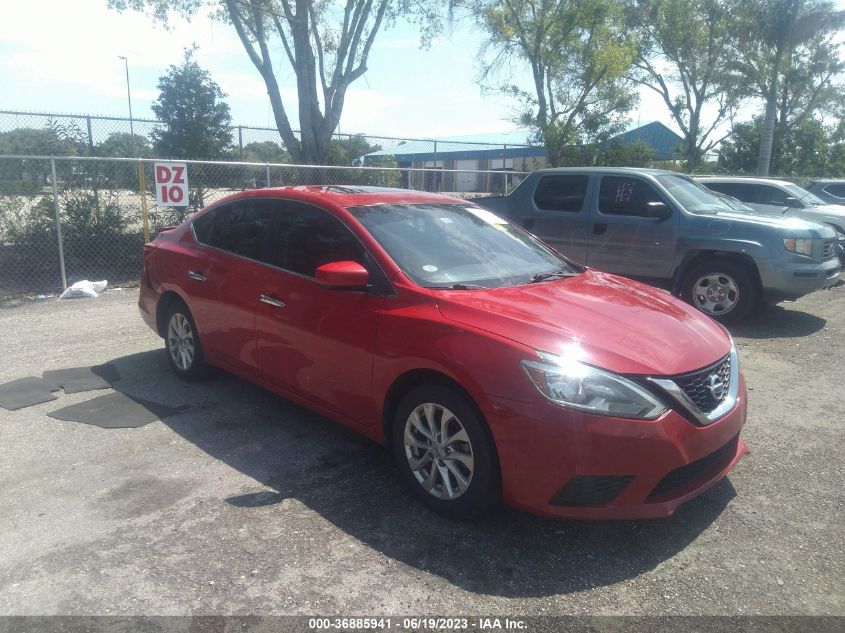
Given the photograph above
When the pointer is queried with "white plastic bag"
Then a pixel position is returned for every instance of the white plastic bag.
(84, 288)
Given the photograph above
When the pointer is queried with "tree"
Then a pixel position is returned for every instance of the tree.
(775, 30)
(808, 148)
(686, 56)
(265, 152)
(326, 45)
(636, 154)
(578, 53)
(195, 122)
(124, 145)
(350, 150)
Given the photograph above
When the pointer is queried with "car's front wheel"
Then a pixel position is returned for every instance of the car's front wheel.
(183, 344)
(445, 452)
(720, 289)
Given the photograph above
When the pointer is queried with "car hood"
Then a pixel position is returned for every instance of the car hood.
(607, 321)
(791, 223)
(834, 213)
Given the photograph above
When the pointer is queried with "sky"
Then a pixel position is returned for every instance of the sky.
(67, 61)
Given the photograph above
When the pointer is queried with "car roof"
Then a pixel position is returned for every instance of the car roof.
(347, 195)
(827, 181)
(608, 170)
(752, 179)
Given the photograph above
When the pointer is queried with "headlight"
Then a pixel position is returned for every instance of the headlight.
(572, 384)
(801, 246)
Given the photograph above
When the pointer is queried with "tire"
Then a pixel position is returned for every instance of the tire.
(722, 290)
(458, 478)
(182, 344)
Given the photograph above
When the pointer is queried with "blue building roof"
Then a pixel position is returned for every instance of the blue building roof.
(662, 139)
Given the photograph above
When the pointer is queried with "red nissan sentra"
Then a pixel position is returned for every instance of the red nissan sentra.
(496, 369)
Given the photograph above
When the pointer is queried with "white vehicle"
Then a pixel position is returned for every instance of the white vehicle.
(771, 196)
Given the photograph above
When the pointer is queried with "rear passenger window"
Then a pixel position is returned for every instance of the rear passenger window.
(310, 237)
(836, 189)
(619, 195)
(561, 193)
(242, 228)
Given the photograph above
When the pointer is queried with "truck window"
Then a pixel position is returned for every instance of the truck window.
(622, 195)
(561, 193)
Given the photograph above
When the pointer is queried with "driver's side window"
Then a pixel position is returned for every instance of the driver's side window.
(310, 237)
(621, 195)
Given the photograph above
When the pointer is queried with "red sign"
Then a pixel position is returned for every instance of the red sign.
(171, 184)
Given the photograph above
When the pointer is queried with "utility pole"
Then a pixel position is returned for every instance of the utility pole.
(129, 99)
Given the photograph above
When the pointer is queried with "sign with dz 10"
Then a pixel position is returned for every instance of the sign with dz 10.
(171, 184)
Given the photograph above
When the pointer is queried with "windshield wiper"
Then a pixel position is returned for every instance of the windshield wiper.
(460, 286)
(555, 274)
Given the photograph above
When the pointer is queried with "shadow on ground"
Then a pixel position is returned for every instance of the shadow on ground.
(292, 452)
(778, 322)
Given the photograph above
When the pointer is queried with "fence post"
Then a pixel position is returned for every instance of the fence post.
(268, 175)
(240, 142)
(90, 136)
(142, 188)
(58, 220)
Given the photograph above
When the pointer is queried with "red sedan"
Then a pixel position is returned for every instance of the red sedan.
(494, 368)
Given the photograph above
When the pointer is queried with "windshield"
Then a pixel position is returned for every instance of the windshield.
(444, 245)
(804, 196)
(692, 196)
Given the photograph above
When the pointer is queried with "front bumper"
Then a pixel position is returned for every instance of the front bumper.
(561, 463)
(786, 279)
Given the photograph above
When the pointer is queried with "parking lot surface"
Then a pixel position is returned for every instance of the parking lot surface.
(247, 504)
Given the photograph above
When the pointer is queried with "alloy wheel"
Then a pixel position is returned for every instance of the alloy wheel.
(439, 451)
(180, 341)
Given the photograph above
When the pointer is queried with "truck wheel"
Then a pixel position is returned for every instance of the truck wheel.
(720, 289)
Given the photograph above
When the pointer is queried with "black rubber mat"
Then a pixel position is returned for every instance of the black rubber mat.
(76, 379)
(116, 411)
(25, 392)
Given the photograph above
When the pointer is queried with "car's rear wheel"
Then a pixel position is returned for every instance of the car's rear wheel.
(183, 344)
(445, 452)
(722, 290)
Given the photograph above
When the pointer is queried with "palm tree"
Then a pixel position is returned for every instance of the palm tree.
(780, 26)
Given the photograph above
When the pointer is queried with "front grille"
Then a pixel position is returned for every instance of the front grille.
(829, 249)
(703, 386)
(590, 490)
(681, 477)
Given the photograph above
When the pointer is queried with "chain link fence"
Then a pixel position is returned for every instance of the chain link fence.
(64, 219)
(93, 135)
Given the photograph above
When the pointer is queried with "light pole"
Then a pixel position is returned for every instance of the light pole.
(129, 99)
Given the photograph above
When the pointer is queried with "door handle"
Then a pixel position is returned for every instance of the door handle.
(272, 301)
(528, 223)
(599, 228)
(196, 276)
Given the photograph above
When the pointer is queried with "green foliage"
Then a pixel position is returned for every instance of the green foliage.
(125, 145)
(196, 123)
(636, 154)
(807, 149)
(578, 53)
(687, 55)
(349, 150)
(264, 152)
(789, 55)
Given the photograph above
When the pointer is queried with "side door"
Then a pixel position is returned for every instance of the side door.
(624, 237)
(763, 198)
(222, 283)
(311, 340)
(556, 212)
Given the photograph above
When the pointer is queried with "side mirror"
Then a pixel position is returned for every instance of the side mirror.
(793, 203)
(658, 210)
(346, 275)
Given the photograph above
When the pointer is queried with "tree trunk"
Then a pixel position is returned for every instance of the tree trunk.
(764, 158)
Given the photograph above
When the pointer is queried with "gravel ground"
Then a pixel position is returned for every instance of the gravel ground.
(247, 504)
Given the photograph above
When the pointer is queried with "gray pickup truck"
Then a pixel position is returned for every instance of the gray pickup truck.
(667, 230)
